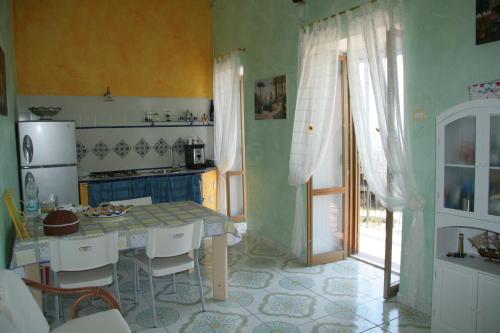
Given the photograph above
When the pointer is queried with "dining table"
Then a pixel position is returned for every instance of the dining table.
(132, 228)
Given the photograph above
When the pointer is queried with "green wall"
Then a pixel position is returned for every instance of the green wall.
(8, 159)
(269, 32)
(441, 61)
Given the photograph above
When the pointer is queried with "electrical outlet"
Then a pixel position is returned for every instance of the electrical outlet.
(419, 114)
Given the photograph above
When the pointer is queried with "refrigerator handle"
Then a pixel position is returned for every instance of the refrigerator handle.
(28, 148)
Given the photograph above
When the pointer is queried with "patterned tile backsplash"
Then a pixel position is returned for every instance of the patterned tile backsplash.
(136, 148)
(161, 147)
(81, 151)
(100, 150)
(142, 147)
(179, 146)
(122, 148)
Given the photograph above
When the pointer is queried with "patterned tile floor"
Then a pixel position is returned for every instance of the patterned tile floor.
(268, 292)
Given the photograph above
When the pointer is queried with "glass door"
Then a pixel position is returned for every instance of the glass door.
(459, 174)
(494, 167)
(328, 194)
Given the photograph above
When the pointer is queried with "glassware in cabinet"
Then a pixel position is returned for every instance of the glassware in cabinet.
(459, 166)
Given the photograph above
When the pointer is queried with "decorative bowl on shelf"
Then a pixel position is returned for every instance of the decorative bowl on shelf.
(45, 113)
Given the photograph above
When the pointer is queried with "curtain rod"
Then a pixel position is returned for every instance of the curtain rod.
(239, 49)
(336, 14)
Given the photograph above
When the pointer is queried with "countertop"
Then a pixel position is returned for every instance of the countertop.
(162, 172)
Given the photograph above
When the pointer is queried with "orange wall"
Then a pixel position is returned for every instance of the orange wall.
(137, 47)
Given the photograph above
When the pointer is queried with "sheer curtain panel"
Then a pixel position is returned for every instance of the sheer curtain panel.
(375, 65)
(227, 113)
(314, 117)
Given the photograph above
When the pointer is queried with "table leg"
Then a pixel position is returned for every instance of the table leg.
(32, 272)
(219, 251)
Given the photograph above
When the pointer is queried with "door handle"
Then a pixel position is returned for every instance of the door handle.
(28, 148)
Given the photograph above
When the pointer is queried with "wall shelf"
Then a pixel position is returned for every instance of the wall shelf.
(154, 124)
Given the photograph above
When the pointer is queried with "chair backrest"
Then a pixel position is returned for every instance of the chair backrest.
(135, 202)
(17, 220)
(80, 254)
(18, 305)
(174, 241)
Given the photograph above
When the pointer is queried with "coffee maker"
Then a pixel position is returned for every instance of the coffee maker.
(195, 155)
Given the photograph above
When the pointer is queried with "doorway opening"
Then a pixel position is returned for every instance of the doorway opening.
(372, 232)
(344, 217)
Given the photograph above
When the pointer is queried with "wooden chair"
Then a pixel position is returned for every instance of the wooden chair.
(20, 313)
(16, 216)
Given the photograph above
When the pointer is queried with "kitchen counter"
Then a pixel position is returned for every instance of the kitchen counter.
(147, 173)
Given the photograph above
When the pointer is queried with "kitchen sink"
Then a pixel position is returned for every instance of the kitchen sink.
(166, 171)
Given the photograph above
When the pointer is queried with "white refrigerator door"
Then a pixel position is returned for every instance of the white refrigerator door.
(61, 181)
(45, 143)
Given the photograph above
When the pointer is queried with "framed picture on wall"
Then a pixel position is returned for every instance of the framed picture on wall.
(3, 85)
(487, 21)
(270, 98)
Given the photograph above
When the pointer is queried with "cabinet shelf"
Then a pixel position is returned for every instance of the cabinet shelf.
(454, 165)
(477, 263)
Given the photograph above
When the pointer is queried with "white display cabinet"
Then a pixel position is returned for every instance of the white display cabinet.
(466, 291)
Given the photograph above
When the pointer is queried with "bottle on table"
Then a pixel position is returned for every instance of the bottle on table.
(31, 190)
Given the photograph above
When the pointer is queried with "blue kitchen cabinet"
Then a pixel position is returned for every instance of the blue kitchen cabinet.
(160, 189)
(176, 188)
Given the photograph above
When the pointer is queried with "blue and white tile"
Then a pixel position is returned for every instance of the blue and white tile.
(252, 280)
(216, 322)
(256, 263)
(346, 322)
(293, 266)
(236, 299)
(373, 288)
(292, 307)
(380, 312)
(283, 327)
(356, 269)
(330, 286)
(409, 321)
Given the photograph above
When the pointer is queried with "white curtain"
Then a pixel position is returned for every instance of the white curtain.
(313, 120)
(375, 65)
(227, 113)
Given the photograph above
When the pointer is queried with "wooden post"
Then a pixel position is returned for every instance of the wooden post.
(219, 251)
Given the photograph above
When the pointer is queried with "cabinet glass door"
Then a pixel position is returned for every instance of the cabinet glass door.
(459, 166)
(494, 167)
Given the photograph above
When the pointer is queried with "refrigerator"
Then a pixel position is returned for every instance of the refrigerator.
(47, 150)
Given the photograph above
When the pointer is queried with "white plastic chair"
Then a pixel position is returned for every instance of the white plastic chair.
(167, 253)
(134, 202)
(20, 313)
(84, 262)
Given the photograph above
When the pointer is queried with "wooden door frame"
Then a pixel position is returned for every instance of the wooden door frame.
(345, 189)
(242, 172)
(390, 290)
